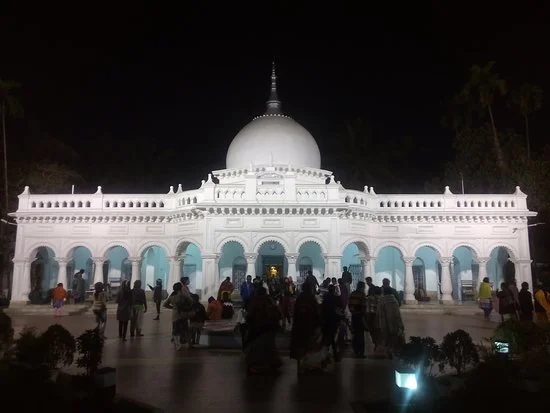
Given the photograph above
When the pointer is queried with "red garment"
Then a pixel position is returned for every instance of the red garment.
(214, 311)
(227, 286)
(59, 293)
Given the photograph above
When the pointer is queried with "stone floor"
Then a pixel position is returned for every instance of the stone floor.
(204, 379)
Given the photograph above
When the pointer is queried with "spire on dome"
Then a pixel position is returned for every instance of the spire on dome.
(273, 104)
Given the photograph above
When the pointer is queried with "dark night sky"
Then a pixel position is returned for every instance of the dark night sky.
(189, 79)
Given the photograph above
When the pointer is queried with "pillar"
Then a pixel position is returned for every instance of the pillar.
(251, 258)
(173, 274)
(98, 269)
(367, 267)
(523, 272)
(372, 268)
(482, 262)
(62, 273)
(446, 282)
(21, 283)
(136, 273)
(209, 273)
(293, 272)
(333, 262)
(409, 281)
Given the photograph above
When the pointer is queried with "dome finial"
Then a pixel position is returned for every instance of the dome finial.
(273, 104)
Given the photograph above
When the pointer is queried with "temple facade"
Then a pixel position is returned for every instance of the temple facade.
(272, 211)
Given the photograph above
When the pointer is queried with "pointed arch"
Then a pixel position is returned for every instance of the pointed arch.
(107, 247)
(33, 249)
(234, 238)
(144, 246)
(69, 249)
(271, 238)
(361, 243)
(474, 248)
(509, 249)
(437, 248)
(394, 244)
(315, 240)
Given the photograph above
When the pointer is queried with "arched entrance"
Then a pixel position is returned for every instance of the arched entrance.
(190, 265)
(353, 257)
(154, 266)
(271, 261)
(232, 263)
(310, 258)
(426, 274)
(80, 258)
(390, 265)
(465, 274)
(500, 267)
(44, 270)
(114, 270)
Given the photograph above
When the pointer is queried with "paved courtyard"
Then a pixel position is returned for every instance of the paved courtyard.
(201, 380)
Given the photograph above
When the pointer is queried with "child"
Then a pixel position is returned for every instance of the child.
(197, 320)
(526, 303)
(59, 295)
(99, 307)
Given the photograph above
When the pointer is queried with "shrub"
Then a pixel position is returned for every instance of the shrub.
(29, 349)
(421, 353)
(59, 346)
(90, 351)
(459, 350)
(6, 335)
(521, 335)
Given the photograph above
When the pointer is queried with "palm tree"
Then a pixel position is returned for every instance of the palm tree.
(527, 99)
(481, 89)
(9, 105)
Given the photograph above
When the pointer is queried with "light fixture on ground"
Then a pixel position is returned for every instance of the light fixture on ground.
(405, 388)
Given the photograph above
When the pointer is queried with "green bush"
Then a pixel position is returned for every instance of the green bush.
(521, 335)
(60, 346)
(459, 351)
(29, 349)
(421, 353)
(90, 351)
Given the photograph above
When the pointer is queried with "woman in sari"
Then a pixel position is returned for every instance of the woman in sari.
(306, 343)
(262, 321)
(392, 331)
(485, 298)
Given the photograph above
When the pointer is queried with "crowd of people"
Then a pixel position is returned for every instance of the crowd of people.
(511, 303)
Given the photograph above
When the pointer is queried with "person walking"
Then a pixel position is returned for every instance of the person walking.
(99, 308)
(124, 309)
(157, 296)
(59, 295)
(139, 308)
(485, 296)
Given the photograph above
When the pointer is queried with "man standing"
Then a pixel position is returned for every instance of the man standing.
(358, 308)
(79, 287)
(346, 276)
(246, 290)
(370, 286)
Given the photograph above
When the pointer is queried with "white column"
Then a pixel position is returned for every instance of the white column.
(446, 282)
(62, 273)
(136, 273)
(523, 272)
(292, 259)
(327, 267)
(209, 273)
(172, 272)
(409, 281)
(251, 258)
(367, 267)
(21, 283)
(217, 268)
(334, 262)
(98, 269)
(373, 269)
(482, 262)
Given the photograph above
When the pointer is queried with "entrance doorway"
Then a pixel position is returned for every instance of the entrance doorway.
(273, 265)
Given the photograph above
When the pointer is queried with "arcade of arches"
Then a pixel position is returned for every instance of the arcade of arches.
(432, 276)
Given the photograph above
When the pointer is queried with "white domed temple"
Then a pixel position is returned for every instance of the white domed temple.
(274, 211)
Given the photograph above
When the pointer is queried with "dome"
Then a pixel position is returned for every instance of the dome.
(273, 139)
